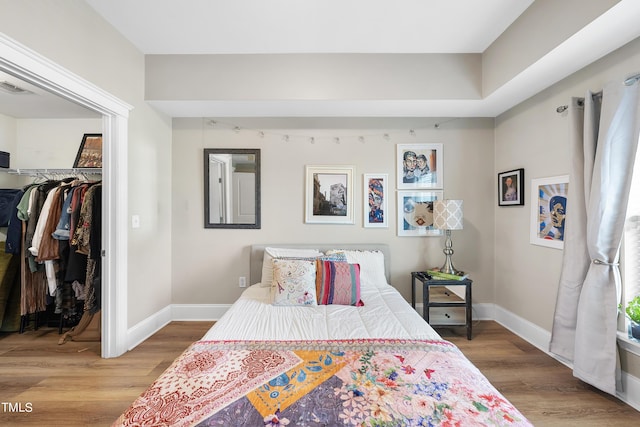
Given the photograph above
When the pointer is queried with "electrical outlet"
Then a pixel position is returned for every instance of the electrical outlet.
(135, 221)
(242, 282)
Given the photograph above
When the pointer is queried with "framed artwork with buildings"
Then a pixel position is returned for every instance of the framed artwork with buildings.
(329, 194)
(376, 213)
(415, 213)
(548, 211)
(511, 188)
(419, 166)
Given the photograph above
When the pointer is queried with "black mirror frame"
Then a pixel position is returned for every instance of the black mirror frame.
(256, 153)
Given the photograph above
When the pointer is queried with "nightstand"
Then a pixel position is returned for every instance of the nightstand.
(428, 303)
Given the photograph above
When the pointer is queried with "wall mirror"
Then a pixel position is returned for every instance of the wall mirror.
(231, 188)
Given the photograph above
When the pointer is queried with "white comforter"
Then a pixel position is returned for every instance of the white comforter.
(386, 314)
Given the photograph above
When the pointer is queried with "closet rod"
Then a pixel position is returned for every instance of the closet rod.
(627, 82)
(72, 171)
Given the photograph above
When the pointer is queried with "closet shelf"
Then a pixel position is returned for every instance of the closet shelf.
(70, 171)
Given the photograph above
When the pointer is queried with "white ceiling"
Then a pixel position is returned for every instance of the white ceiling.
(357, 26)
(37, 103)
(341, 26)
(310, 26)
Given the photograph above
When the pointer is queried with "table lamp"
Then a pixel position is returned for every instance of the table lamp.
(447, 216)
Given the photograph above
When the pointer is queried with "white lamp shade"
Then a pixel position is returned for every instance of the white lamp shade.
(447, 214)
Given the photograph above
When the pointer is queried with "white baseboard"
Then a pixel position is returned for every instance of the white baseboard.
(531, 332)
(541, 338)
(526, 330)
(152, 324)
(631, 391)
(149, 326)
(198, 312)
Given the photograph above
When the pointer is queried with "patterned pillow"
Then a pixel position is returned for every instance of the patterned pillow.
(294, 282)
(372, 272)
(338, 282)
(272, 253)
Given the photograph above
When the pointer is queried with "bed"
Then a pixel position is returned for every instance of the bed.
(353, 353)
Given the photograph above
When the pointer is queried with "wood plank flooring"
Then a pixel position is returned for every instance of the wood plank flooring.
(70, 385)
(542, 388)
(46, 384)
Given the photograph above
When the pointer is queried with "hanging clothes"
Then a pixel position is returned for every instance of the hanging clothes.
(59, 227)
(14, 228)
(83, 235)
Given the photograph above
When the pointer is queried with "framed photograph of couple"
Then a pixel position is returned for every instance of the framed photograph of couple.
(376, 213)
(329, 194)
(415, 213)
(419, 166)
(511, 188)
(549, 211)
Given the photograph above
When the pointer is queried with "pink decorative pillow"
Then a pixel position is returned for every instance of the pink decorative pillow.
(338, 282)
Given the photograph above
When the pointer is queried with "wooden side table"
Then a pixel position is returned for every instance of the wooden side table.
(427, 283)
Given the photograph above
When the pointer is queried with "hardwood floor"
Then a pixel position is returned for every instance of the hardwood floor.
(46, 384)
(542, 388)
(70, 385)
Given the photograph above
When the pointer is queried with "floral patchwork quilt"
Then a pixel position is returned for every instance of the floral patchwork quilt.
(364, 382)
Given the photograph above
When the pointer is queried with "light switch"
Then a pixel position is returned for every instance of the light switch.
(135, 221)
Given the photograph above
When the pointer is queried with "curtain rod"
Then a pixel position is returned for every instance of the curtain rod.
(632, 79)
(563, 108)
(627, 82)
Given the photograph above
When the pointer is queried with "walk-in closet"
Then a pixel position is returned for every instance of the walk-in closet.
(50, 214)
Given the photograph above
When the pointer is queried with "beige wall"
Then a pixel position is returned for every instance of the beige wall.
(50, 143)
(8, 135)
(313, 77)
(71, 34)
(207, 263)
(534, 136)
(173, 259)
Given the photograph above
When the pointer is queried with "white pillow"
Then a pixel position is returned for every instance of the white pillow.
(271, 253)
(294, 282)
(371, 266)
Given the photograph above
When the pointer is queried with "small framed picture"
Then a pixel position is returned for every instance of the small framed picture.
(375, 200)
(329, 195)
(419, 166)
(511, 188)
(549, 211)
(90, 151)
(415, 213)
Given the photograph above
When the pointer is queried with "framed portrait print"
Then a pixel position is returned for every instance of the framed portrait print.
(549, 211)
(415, 213)
(375, 200)
(419, 166)
(511, 188)
(329, 195)
(90, 151)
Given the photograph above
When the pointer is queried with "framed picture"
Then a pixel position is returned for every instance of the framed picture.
(419, 166)
(375, 200)
(415, 213)
(511, 188)
(549, 211)
(329, 195)
(90, 151)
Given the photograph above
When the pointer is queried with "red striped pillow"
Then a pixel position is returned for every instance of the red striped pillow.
(338, 282)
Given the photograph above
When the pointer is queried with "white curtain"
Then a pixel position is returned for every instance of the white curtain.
(604, 141)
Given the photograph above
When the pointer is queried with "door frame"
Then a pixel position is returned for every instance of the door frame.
(26, 64)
